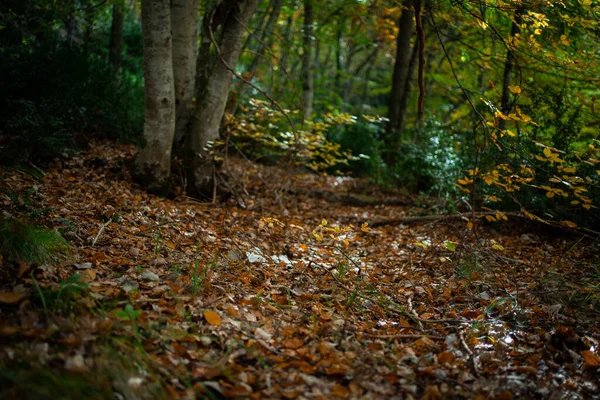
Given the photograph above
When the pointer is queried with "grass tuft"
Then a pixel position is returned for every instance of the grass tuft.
(31, 244)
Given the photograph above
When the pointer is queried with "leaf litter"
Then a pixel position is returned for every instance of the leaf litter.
(276, 293)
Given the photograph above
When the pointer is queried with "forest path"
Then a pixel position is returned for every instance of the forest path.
(277, 293)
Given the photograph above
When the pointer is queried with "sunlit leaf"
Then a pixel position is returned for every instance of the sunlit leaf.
(212, 318)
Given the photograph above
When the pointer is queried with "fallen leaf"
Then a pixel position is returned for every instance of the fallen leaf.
(212, 318)
(293, 343)
(590, 359)
(11, 297)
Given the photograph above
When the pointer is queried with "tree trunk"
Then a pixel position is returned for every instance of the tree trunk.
(218, 55)
(264, 43)
(505, 106)
(153, 163)
(283, 67)
(307, 61)
(184, 16)
(399, 78)
(116, 35)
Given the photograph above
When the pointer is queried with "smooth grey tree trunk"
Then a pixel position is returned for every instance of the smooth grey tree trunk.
(115, 47)
(307, 61)
(153, 163)
(184, 28)
(223, 31)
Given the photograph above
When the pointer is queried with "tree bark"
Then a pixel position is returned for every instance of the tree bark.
(115, 47)
(217, 57)
(307, 61)
(153, 163)
(399, 78)
(184, 15)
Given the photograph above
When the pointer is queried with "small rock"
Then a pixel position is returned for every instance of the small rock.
(149, 276)
(86, 265)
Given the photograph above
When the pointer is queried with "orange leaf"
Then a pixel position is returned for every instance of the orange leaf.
(590, 359)
(212, 318)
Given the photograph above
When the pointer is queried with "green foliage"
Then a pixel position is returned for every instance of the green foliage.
(363, 140)
(62, 298)
(31, 244)
(430, 164)
(22, 380)
(56, 94)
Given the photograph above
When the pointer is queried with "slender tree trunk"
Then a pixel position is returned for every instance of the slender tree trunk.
(508, 69)
(265, 42)
(153, 163)
(213, 79)
(307, 61)
(407, 86)
(184, 19)
(115, 47)
(338, 54)
(399, 78)
(366, 64)
(70, 23)
(278, 89)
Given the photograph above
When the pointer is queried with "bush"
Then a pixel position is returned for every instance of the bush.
(363, 140)
(55, 96)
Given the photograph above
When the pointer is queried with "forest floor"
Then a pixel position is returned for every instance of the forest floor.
(282, 291)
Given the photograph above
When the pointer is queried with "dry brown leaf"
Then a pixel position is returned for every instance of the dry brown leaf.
(212, 318)
(340, 391)
(432, 392)
(445, 357)
(590, 358)
(90, 274)
(11, 297)
(504, 395)
(293, 343)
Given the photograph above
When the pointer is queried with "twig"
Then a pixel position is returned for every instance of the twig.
(470, 353)
(101, 231)
(405, 336)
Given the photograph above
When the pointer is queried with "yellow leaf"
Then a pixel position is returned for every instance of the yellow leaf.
(490, 218)
(568, 224)
(515, 89)
(212, 318)
(365, 227)
(549, 195)
(498, 247)
(470, 225)
(323, 222)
